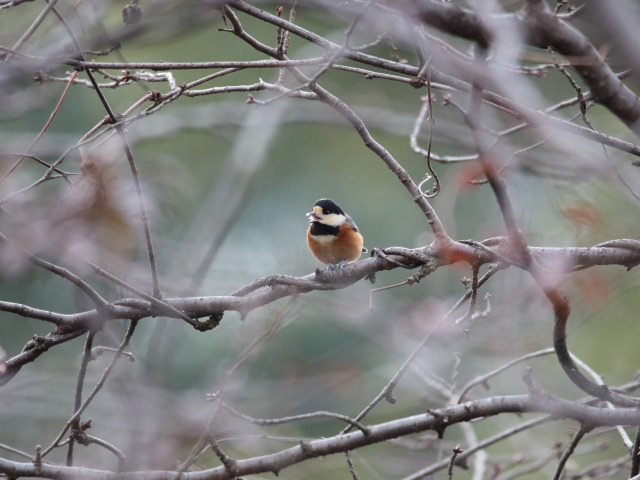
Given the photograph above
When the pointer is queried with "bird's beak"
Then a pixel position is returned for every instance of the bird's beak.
(313, 217)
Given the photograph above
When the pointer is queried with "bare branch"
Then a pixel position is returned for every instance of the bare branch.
(274, 287)
(524, 153)
(540, 28)
(434, 420)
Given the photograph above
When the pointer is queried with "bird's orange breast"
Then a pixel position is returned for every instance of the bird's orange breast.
(333, 249)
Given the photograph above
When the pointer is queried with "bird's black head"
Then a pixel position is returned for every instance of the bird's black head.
(328, 207)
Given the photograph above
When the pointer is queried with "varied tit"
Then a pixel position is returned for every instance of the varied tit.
(333, 236)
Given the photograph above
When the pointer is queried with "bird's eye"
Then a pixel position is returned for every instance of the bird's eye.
(326, 212)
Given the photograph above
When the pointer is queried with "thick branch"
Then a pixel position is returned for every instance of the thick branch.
(437, 420)
(540, 28)
(625, 252)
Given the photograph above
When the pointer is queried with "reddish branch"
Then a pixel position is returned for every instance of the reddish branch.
(274, 287)
(517, 241)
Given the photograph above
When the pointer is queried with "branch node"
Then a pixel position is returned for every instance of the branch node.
(307, 449)
(417, 82)
(230, 464)
(441, 422)
(388, 396)
(527, 377)
(155, 96)
(37, 459)
(457, 450)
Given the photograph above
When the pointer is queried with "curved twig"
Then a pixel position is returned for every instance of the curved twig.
(295, 418)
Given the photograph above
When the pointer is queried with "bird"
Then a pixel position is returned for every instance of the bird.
(333, 237)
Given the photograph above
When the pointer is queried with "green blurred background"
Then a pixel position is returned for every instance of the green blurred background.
(327, 350)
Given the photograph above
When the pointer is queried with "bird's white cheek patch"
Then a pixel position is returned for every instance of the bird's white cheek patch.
(333, 219)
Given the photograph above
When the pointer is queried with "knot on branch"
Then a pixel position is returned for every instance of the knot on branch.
(79, 435)
(424, 271)
(417, 82)
(40, 76)
(212, 322)
(306, 449)
(441, 422)
(155, 96)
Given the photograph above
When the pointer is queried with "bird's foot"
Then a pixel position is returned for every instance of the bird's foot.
(336, 270)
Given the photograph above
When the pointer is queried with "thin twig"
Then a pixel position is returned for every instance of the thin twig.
(569, 450)
(585, 119)
(482, 379)
(34, 26)
(46, 126)
(205, 439)
(96, 388)
(387, 391)
(37, 159)
(143, 214)
(296, 418)
(87, 355)
(99, 302)
(352, 468)
(163, 306)
(456, 451)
